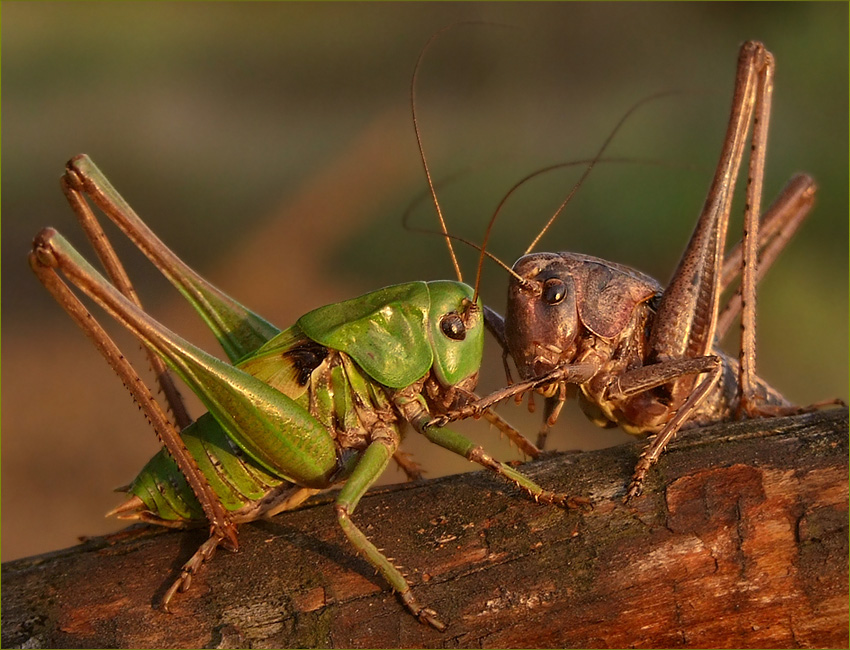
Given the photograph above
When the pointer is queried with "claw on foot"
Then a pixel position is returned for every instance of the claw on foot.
(430, 617)
(425, 615)
(635, 489)
(204, 554)
(564, 501)
(578, 503)
(437, 422)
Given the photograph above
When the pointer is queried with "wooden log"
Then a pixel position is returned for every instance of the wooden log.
(741, 540)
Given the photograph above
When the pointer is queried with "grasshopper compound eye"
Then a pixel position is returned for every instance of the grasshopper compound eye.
(554, 291)
(453, 327)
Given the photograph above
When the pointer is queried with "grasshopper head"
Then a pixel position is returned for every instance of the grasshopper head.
(541, 319)
(456, 332)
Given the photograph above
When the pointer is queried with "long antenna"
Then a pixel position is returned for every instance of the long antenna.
(591, 165)
(535, 174)
(516, 186)
(422, 157)
(431, 187)
(463, 240)
(483, 247)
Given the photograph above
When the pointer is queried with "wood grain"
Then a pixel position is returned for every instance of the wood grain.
(740, 541)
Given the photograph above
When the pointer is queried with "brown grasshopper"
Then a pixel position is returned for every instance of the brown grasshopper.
(642, 356)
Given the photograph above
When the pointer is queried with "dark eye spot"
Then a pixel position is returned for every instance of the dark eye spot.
(554, 291)
(452, 326)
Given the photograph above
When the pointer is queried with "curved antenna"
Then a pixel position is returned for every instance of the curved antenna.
(408, 213)
(591, 161)
(422, 157)
(463, 240)
(592, 164)
(417, 200)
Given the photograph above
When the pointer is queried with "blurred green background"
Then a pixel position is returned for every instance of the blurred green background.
(271, 146)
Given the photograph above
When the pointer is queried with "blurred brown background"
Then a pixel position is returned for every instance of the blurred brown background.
(271, 146)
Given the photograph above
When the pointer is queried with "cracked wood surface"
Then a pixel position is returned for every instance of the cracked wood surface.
(741, 540)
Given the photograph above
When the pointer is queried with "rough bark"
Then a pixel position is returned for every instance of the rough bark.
(741, 540)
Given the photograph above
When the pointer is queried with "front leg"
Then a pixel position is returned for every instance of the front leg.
(632, 382)
(415, 411)
(652, 452)
(576, 373)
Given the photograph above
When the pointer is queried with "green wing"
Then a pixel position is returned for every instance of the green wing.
(383, 331)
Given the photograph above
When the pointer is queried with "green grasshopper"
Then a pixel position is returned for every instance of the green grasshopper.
(296, 411)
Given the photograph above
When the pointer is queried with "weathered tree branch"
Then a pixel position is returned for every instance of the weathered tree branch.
(740, 541)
